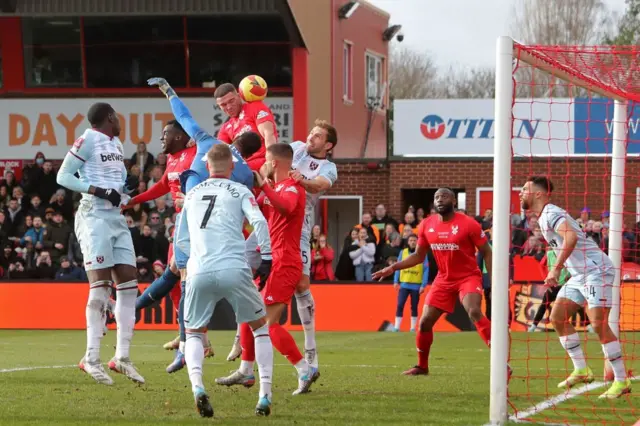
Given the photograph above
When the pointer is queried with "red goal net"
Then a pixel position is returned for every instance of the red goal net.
(574, 119)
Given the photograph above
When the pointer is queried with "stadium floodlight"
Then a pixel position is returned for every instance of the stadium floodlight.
(578, 97)
(391, 32)
(348, 9)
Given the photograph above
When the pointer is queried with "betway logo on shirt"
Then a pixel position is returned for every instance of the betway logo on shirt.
(445, 246)
(111, 157)
(434, 127)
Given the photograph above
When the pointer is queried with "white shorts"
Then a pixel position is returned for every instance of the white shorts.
(251, 251)
(594, 289)
(204, 291)
(105, 239)
(305, 253)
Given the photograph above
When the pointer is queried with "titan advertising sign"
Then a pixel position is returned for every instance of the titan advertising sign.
(52, 125)
(544, 128)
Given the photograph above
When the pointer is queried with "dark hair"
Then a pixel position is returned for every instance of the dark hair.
(542, 182)
(281, 150)
(13, 199)
(332, 133)
(224, 89)
(248, 143)
(176, 125)
(37, 217)
(412, 236)
(99, 112)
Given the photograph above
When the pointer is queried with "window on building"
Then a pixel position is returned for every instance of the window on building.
(347, 67)
(227, 49)
(374, 79)
(52, 52)
(123, 52)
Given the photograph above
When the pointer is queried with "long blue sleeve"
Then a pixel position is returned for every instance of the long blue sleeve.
(425, 272)
(396, 275)
(184, 117)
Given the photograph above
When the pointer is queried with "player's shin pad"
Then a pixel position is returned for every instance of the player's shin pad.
(99, 292)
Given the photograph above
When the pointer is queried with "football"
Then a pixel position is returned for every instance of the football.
(253, 88)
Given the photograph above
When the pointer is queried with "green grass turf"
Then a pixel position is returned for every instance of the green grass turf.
(360, 384)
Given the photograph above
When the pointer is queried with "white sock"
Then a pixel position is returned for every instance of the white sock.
(237, 333)
(246, 367)
(398, 323)
(303, 367)
(571, 344)
(125, 314)
(264, 358)
(414, 321)
(307, 312)
(613, 353)
(181, 347)
(95, 311)
(194, 357)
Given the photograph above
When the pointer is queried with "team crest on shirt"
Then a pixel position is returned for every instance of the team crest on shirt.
(313, 166)
(241, 116)
(100, 259)
(454, 229)
(182, 157)
(279, 187)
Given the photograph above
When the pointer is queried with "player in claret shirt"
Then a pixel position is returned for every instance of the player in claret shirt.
(453, 238)
(245, 117)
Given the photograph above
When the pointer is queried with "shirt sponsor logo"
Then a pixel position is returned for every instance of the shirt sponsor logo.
(454, 229)
(445, 247)
(262, 114)
(111, 157)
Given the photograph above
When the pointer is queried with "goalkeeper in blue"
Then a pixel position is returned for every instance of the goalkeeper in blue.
(245, 145)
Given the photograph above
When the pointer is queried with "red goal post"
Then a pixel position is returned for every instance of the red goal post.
(530, 79)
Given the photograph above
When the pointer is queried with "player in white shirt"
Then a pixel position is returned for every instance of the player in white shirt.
(210, 232)
(591, 282)
(317, 174)
(106, 244)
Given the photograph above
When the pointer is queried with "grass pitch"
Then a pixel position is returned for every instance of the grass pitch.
(360, 384)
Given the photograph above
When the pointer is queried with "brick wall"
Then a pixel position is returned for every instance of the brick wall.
(570, 177)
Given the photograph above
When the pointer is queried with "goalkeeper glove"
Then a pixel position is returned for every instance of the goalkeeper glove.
(108, 194)
(163, 85)
(263, 272)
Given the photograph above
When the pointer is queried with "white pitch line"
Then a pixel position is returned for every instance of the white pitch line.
(521, 416)
(42, 367)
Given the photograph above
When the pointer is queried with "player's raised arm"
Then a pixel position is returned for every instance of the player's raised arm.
(180, 110)
(79, 153)
(326, 178)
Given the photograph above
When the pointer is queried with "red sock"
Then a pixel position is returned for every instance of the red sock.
(424, 339)
(247, 342)
(284, 343)
(175, 296)
(483, 326)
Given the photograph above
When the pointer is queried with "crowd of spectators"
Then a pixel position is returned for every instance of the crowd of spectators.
(38, 242)
(37, 218)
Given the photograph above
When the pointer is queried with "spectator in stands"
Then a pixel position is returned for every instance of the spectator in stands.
(146, 250)
(163, 209)
(155, 175)
(372, 231)
(63, 204)
(74, 254)
(518, 235)
(4, 197)
(410, 282)
(345, 269)
(143, 159)
(48, 216)
(14, 216)
(17, 271)
(10, 181)
(69, 272)
(23, 227)
(534, 247)
(35, 234)
(144, 273)
(155, 223)
(315, 234)
(138, 214)
(487, 219)
(158, 269)
(363, 256)
(18, 194)
(585, 216)
(31, 174)
(161, 160)
(56, 237)
(47, 186)
(322, 261)
(381, 218)
(596, 232)
(604, 218)
(407, 231)
(391, 243)
(4, 235)
(409, 219)
(35, 207)
(44, 269)
(419, 215)
(8, 256)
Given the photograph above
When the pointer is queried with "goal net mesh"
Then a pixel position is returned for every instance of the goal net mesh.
(562, 113)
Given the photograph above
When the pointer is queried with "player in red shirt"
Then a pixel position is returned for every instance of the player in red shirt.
(245, 116)
(452, 238)
(284, 208)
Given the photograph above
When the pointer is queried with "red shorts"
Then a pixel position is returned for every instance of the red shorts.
(442, 295)
(281, 284)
